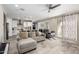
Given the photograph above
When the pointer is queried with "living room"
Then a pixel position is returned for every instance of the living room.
(39, 28)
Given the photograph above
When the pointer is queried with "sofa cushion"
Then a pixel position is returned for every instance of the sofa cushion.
(23, 35)
(39, 38)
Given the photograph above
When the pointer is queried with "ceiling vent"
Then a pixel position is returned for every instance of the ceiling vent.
(22, 9)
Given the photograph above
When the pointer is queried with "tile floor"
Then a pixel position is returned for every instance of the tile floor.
(49, 46)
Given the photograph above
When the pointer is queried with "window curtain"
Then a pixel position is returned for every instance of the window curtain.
(69, 27)
(59, 27)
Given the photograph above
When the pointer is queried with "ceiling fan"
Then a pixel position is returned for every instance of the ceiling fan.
(52, 6)
(20, 9)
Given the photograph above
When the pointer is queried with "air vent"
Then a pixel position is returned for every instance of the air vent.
(21, 9)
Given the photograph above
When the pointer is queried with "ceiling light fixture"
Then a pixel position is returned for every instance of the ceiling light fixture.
(16, 5)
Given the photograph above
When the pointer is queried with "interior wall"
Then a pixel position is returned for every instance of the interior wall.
(9, 21)
(50, 24)
(53, 24)
(1, 25)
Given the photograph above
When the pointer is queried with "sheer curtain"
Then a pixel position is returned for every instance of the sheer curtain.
(59, 26)
(69, 29)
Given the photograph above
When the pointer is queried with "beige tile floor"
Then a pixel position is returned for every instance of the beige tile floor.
(57, 46)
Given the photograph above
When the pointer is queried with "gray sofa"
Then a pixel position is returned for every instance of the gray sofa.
(26, 45)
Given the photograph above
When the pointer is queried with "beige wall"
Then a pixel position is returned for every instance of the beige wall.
(53, 25)
(1, 25)
(50, 24)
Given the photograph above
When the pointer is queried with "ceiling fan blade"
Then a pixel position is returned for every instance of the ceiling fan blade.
(20, 9)
(50, 6)
(54, 6)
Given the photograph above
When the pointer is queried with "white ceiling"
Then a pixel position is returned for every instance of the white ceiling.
(31, 11)
(38, 11)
